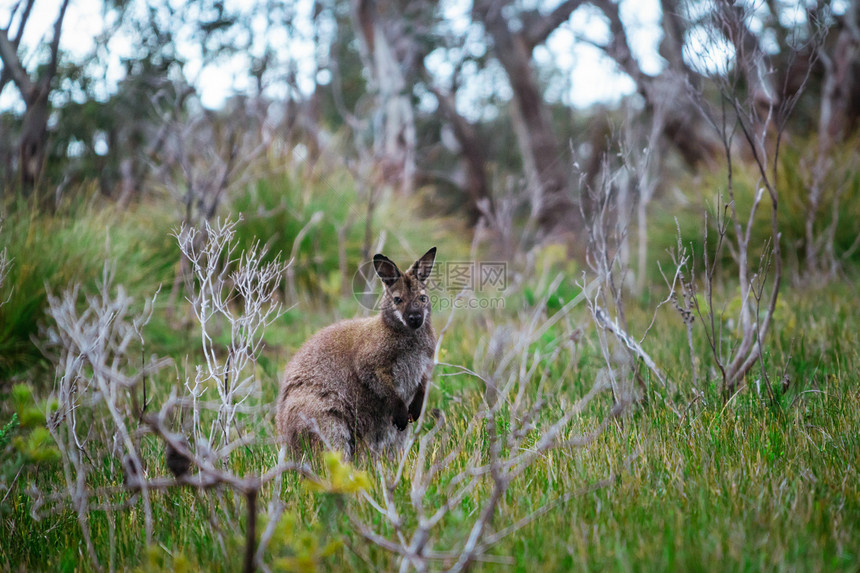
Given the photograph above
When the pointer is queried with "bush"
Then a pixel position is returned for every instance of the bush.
(49, 252)
(793, 184)
(278, 209)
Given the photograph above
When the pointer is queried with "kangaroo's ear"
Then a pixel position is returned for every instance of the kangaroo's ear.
(386, 269)
(423, 266)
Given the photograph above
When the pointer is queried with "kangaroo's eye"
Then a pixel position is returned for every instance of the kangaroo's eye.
(423, 298)
(397, 300)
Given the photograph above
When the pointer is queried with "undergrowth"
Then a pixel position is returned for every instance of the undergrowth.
(700, 483)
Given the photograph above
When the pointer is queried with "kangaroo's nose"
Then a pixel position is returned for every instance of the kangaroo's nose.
(415, 319)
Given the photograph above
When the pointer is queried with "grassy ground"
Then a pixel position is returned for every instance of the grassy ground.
(700, 484)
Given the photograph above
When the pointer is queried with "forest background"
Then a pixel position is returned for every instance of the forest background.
(648, 225)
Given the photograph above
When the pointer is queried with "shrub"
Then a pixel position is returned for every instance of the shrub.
(52, 251)
(793, 184)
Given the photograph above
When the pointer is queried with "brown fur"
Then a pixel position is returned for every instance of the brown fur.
(364, 379)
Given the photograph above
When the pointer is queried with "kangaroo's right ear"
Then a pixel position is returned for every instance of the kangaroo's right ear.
(386, 269)
(424, 266)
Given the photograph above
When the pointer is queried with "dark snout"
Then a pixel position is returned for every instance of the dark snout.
(415, 318)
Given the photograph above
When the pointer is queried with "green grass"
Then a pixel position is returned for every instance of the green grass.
(51, 252)
(740, 486)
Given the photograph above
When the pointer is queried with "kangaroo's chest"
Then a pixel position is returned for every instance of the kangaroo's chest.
(409, 369)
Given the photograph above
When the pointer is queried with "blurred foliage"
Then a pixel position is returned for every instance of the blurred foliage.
(8, 430)
(302, 547)
(157, 559)
(25, 442)
(342, 477)
(277, 209)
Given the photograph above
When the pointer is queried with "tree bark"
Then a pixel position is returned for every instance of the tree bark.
(34, 136)
(837, 119)
(840, 100)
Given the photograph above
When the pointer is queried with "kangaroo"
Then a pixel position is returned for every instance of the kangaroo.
(365, 378)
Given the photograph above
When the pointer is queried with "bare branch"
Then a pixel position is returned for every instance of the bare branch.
(538, 28)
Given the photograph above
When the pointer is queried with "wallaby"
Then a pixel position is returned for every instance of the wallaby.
(365, 378)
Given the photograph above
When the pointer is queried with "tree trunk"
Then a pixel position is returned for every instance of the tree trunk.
(669, 91)
(33, 143)
(545, 165)
(34, 92)
(837, 119)
(393, 121)
(472, 151)
(840, 104)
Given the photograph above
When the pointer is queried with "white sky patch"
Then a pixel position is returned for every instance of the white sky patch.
(642, 21)
(706, 53)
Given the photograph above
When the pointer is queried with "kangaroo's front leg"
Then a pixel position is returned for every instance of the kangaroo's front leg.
(417, 403)
(381, 382)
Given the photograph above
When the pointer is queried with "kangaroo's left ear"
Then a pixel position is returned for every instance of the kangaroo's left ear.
(423, 266)
(386, 269)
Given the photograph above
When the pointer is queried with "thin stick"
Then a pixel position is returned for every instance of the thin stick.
(251, 529)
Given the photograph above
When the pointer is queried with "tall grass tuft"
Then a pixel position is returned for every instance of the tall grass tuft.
(51, 251)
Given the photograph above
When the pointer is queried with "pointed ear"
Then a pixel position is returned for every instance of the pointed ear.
(423, 266)
(386, 269)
